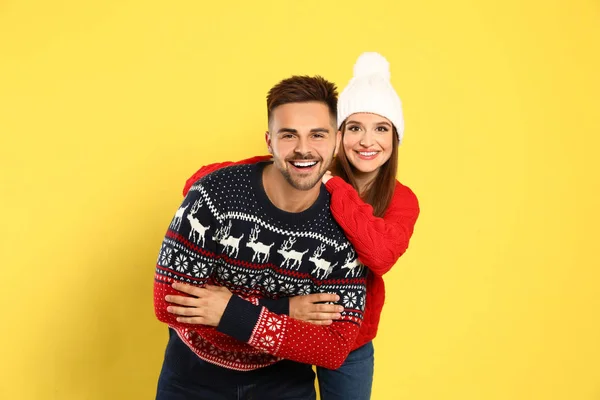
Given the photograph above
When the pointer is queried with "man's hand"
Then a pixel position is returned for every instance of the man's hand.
(306, 308)
(206, 307)
(326, 177)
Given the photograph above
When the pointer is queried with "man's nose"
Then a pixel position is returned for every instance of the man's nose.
(302, 147)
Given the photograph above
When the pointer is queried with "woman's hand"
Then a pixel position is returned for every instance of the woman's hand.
(326, 177)
(203, 306)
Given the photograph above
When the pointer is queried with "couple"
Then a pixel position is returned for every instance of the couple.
(265, 271)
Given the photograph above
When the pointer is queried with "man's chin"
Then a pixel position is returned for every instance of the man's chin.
(301, 181)
(304, 184)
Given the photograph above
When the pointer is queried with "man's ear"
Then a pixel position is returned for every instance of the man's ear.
(268, 141)
(338, 142)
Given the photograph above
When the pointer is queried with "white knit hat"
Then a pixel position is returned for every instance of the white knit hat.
(370, 91)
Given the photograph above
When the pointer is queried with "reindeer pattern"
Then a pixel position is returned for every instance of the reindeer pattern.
(249, 253)
(291, 256)
(231, 244)
(352, 264)
(197, 230)
(260, 249)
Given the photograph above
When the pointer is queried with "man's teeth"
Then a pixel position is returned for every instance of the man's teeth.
(304, 163)
(367, 154)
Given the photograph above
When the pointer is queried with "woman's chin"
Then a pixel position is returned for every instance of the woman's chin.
(364, 167)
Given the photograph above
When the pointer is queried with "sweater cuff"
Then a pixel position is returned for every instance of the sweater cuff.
(279, 306)
(239, 319)
(335, 183)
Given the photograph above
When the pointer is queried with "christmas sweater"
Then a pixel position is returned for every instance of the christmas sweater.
(379, 242)
(228, 233)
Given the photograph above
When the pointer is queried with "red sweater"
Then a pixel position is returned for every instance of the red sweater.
(379, 242)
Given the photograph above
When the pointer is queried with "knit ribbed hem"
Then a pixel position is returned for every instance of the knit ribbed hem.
(239, 319)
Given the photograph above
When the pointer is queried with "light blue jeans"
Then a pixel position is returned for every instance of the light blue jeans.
(353, 380)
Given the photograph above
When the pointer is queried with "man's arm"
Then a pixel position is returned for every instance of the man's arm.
(278, 335)
(188, 251)
(203, 307)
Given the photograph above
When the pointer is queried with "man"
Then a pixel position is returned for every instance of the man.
(263, 232)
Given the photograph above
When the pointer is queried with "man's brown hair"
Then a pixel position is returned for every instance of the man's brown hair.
(302, 89)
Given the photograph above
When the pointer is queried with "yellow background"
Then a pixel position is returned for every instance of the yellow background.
(106, 107)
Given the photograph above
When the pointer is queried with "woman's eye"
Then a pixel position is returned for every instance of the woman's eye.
(382, 129)
(353, 128)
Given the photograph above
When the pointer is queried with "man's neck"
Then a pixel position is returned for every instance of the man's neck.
(283, 195)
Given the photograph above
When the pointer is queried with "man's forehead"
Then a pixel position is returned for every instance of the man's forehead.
(309, 107)
(305, 116)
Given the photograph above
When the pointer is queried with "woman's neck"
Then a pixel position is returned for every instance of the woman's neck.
(363, 180)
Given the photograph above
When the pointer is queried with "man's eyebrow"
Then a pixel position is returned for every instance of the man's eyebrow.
(314, 130)
(287, 130)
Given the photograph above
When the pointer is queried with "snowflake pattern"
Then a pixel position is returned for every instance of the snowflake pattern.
(223, 273)
(287, 288)
(267, 341)
(350, 299)
(273, 324)
(200, 269)
(181, 263)
(269, 284)
(239, 279)
(304, 290)
(213, 350)
(167, 254)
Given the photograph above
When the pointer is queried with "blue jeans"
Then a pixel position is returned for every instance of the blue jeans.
(353, 380)
(184, 376)
(171, 389)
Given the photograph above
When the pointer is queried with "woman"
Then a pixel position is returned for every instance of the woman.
(376, 212)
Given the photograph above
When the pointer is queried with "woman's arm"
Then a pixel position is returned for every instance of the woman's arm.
(207, 169)
(379, 242)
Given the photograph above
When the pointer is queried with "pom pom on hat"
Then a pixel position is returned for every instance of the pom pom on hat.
(371, 91)
(372, 64)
